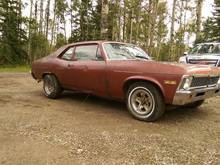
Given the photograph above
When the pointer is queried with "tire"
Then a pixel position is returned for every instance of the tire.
(195, 104)
(145, 102)
(51, 86)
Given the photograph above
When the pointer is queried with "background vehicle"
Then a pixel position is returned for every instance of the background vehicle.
(204, 53)
(125, 72)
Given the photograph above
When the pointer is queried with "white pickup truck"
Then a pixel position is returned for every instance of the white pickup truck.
(204, 53)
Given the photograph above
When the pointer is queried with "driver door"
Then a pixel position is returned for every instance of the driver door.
(87, 71)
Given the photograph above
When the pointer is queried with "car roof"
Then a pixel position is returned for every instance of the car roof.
(95, 42)
(61, 49)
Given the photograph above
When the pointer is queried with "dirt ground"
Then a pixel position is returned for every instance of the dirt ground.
(79, 130)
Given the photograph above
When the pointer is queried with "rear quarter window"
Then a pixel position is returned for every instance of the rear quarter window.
(86, 52)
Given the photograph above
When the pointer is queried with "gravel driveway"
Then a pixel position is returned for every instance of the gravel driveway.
(77, 129)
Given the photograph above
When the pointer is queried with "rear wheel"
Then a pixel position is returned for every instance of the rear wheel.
(51, 86)
(145, 101)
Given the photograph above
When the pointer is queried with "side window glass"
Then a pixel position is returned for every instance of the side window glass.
(86, 52)
(216, 49)
(68, 54)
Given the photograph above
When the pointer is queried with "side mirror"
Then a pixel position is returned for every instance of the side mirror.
(99, 57)
(73, 58)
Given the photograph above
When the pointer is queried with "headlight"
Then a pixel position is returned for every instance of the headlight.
(186, 83)
(182, 60)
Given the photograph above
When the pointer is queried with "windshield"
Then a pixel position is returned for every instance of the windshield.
(119, 51)
(206, 49)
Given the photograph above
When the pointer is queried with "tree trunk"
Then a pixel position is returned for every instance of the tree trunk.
(198, 19)
(181, 20)
(137, 23)
(119, 19)
(131, 26)
(173, 21)
(65, 35)
(53, 25)
(149, 23)
(71, 18)
(47, 16)
(87, 21)
(41, 17)
(30, 33)
(36, 11)
(171, 53)
(104, 19)
(153, 24)
(124, 21)
(116, 21)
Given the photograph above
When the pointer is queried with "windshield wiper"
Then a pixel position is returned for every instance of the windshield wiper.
(142, 57)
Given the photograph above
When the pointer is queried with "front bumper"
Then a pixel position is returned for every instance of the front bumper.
(185, 97)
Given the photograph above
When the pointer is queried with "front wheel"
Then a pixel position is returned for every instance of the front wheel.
(51, 86)
(145, 101)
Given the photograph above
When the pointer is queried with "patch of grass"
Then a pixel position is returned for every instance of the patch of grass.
(9, 68)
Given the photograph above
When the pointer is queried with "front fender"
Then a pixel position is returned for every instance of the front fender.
(146, 78)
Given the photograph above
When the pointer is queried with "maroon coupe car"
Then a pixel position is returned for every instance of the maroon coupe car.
(125, 72)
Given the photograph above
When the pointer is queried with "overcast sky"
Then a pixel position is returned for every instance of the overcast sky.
(208, 8)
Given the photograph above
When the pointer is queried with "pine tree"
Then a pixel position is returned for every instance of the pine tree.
(84, 21)
(96, 20)
(12, 35)
(38, 45)
(74, 21)
(61, 9)
(211, 31)
(216, 21)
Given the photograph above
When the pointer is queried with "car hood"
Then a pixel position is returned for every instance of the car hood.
(189, 69)
(153, 67)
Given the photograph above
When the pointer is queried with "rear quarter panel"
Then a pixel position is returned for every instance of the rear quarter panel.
(41, 66)
(47, 64)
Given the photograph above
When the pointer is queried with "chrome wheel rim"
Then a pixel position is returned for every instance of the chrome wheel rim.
(48, 86)
(142, 101)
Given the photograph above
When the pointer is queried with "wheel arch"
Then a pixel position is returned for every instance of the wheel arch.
(49, 73)
(128, 82)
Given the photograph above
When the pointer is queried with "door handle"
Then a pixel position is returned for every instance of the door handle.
(85, 68)
(70, 66)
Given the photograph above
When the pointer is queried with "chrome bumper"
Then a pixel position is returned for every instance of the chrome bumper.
(185, 97)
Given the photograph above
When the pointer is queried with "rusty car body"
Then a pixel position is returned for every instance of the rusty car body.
(124, 72)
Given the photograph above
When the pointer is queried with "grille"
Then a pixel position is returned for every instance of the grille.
(204, 62)
(204, 81)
